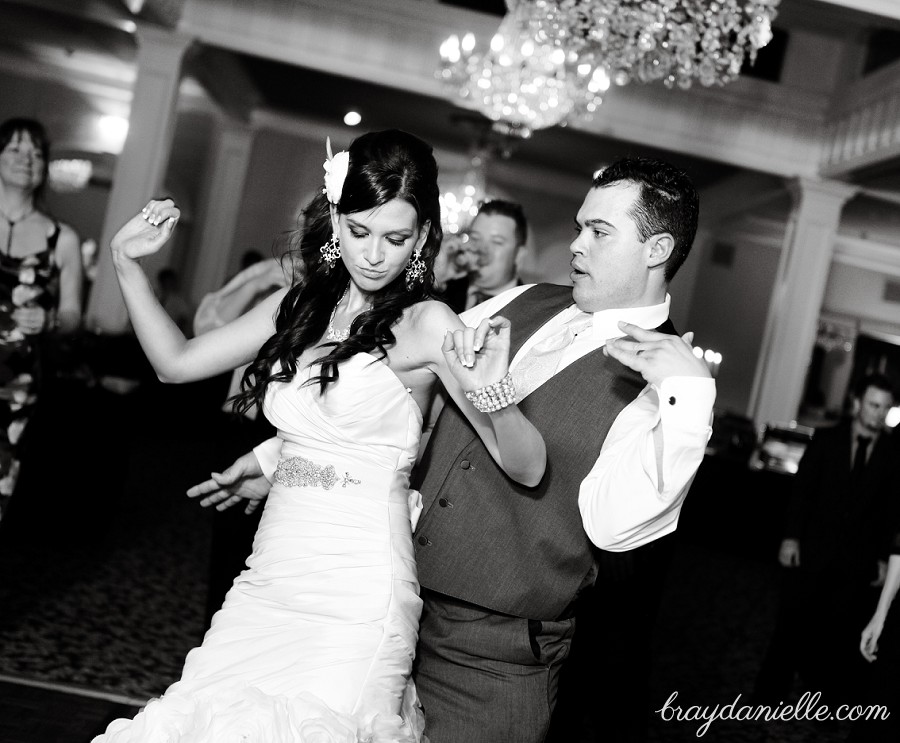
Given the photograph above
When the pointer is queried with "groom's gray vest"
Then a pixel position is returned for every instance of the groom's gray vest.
(487, 540)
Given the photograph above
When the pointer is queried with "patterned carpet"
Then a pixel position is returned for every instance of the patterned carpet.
(713, 630)
(104, 577)
(104, 562)
(119, 622)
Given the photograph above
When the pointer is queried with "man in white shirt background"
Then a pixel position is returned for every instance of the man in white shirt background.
(501, 567)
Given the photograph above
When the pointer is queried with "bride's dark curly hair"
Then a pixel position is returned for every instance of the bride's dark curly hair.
(384, 166)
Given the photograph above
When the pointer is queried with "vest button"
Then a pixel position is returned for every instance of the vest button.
(423, 541)
(465, 464)
(672, 400)
(442, 502)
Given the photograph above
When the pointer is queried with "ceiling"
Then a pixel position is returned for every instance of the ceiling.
(315, 94)
(93, 36)
(327, 97)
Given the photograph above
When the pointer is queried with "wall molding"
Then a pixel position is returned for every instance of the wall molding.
(879, 257)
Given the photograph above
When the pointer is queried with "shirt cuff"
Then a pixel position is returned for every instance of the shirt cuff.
(687, 402)
(267, 454)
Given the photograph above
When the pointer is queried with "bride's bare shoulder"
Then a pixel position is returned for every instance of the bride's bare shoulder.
(424, 325)
(431, 313)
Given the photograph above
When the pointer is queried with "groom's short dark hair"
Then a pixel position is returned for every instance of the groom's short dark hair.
(668, 202)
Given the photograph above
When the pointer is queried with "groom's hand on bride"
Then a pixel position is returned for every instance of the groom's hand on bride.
(242, 481)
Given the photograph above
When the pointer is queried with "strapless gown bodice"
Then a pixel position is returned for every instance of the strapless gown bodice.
(317, 636)
(367, 418)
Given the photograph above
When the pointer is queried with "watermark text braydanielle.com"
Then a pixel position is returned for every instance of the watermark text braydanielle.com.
(809, 707)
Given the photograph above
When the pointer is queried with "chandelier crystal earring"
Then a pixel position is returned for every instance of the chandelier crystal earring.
(331, 251)
(415, 269)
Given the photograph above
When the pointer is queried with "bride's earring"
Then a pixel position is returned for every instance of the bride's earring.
(331, 251)
(415, 269)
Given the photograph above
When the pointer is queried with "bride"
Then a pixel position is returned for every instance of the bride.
(316, 638)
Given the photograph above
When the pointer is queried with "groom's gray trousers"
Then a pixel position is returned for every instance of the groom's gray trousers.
(470, 660)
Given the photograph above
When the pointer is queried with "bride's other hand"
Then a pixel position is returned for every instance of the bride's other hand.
(478, 356)
(242, 481)
(145, 233)
(868, 642)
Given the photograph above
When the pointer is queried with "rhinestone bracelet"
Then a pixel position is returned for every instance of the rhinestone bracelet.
(493, 397)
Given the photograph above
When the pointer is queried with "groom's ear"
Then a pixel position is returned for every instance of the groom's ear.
(659, 248)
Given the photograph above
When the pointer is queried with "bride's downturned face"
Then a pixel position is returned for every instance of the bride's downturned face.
(377, 244)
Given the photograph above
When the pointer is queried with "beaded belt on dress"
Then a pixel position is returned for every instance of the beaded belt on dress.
(300, 471)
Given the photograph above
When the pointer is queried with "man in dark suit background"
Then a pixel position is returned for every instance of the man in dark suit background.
(835, 535)
(495, 245)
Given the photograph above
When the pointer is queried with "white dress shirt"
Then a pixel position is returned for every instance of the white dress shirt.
(634, 492)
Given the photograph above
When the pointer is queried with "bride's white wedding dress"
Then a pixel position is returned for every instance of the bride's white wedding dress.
(315, 640)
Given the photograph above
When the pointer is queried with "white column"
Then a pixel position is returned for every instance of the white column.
(797, 298)
(141, 166)
(229, 158)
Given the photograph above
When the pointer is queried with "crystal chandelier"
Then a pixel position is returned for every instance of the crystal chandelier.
(831, 336)
(551, 60)
(69, 175)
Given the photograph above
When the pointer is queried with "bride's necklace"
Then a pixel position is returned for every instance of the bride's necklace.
(12, 223)
(339, 335)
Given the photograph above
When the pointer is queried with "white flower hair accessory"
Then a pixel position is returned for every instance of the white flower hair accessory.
(336, 167)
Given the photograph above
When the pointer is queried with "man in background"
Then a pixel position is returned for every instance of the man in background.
(836, 532)
(492, 253)
(232, 531)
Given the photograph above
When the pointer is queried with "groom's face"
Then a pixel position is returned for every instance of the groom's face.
(610, 261)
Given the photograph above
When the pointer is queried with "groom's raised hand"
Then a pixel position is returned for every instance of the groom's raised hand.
(656, 356)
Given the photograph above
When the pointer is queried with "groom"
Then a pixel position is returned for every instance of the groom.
(501, 565)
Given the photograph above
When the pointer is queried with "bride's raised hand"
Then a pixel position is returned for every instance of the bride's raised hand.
(478, 356)
(147, 232)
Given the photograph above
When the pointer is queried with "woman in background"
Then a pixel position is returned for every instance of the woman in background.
(880, 645)
(40, 285)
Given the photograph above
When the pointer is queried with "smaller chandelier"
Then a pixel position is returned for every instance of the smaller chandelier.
(459, 204)
(458, 208)
(68, 175)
